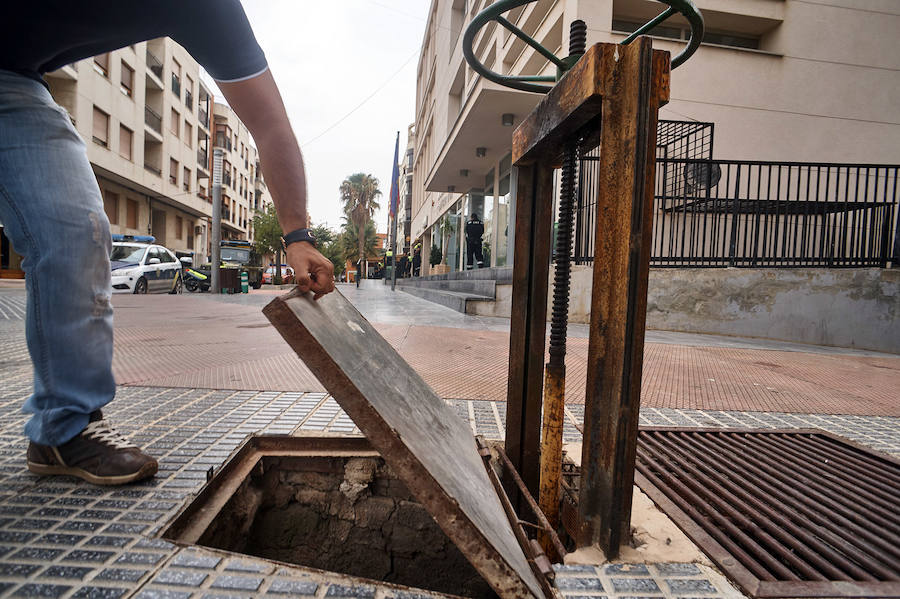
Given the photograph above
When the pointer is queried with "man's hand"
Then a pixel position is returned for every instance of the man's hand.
(312, 271)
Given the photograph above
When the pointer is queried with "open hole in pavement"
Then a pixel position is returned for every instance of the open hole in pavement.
(334, 506)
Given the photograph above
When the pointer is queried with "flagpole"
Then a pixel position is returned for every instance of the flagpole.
(395, 192)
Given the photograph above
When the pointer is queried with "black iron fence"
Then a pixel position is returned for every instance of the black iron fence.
(718, 213)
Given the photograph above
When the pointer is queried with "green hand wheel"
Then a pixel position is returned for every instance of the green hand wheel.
(543, 83)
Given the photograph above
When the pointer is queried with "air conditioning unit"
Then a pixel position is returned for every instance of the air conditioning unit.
(197, 230)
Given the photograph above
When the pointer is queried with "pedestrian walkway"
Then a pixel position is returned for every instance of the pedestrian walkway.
(187, 366)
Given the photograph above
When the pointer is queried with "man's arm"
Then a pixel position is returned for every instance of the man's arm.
(258, 104)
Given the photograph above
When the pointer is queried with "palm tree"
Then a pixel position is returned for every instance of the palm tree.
(359, 194)
(349, 239)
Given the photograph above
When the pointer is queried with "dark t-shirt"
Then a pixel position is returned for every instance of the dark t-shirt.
(37, 36)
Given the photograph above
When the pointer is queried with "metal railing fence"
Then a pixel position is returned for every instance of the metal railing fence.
(720, 213)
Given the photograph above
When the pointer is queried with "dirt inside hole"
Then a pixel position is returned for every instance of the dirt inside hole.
(342, 514)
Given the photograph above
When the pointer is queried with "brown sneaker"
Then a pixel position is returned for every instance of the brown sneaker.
(98, 454)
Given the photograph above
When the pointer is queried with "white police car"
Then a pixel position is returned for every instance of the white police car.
(140, 266)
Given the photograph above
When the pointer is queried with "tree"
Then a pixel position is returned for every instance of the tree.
(359, 195)
(350, 243)
(267, 236)
(330, 245)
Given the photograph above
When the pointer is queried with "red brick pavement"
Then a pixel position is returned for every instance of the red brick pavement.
(198, 343)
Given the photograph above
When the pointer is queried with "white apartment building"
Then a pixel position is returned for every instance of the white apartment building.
(144, 115)
(781, 80)
(146, 119)
(243, 189)
(403, 219)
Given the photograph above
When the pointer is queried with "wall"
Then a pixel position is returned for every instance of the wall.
(857, 308)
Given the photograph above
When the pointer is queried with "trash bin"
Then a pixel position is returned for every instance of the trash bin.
(245, 282)
(229, 280)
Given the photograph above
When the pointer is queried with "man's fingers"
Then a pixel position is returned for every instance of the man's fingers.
(303, 281)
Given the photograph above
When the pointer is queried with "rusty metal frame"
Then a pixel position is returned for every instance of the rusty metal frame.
(740, 574)
(610, 97)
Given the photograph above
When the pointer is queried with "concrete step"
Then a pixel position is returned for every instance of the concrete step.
(502, 275)
(484, 287)
(454, 300)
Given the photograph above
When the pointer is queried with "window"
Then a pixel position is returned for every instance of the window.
(174, 122)
(190, 236)
(179, 226)
(101, 64)
(188, 135)
(173, 171)
(131, 214)
(127, 80)
(126, 136)
(111, 207)
(101, 127)
(176, 78)
(189, 93)
(683, 33)
(186, 179)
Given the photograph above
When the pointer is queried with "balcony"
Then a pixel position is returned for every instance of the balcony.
(153, 169)
(152, 119)
(203, 118)
(154, 64)
(221, 141)
(203, 159)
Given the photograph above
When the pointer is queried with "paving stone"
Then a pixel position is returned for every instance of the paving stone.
(60, 539)
(634, 585)
(571, 583)
(122, 574)
(162, 594)
(75, 572)
(94, 592)
(84, 555)
(194, 560)
(82, 525)
(574, 568)
(17, 570)
(37, 553)
(41, 590)
(356, 591)
(237, 583)
(128, 529)
(108, 541)
(246, 566)
(144, 559)
(691, 586)
(677, 569)
(10, 536)
(630, 569)
(180, 577)
(294, 587)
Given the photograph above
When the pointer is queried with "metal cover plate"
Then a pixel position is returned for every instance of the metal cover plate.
(416, 432)
(785, 513)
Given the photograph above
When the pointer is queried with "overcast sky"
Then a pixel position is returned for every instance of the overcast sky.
(347, 72)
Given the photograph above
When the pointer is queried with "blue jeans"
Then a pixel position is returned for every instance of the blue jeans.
(52, 212)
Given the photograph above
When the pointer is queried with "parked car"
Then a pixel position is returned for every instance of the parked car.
(287, 275)
(141, 266)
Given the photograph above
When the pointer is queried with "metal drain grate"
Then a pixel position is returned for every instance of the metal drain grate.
(796, 513)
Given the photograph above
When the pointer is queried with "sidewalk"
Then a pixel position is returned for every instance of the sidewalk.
(224, 342)
(198, 373)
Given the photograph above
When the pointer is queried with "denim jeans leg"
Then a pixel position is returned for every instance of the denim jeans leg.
(52, 212)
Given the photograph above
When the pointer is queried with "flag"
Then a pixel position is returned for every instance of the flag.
(395, 176)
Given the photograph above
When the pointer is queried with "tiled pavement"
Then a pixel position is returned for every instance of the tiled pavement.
(60, 537)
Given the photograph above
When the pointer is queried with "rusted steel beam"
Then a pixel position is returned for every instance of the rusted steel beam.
(575, 103)
(634, 80)
(528, 321)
